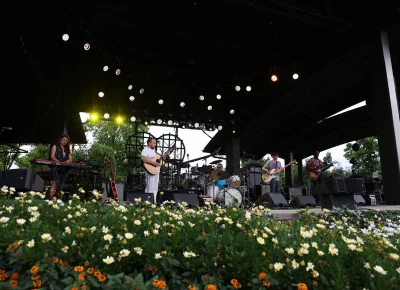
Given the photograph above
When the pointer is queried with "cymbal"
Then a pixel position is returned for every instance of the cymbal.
(216, 162)
(215, 175)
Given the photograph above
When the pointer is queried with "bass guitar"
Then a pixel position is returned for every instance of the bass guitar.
(313, 176)
(267, 177)
(112, 180)
(153, 170)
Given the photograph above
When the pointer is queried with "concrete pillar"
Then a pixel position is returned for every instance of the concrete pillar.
(386, 111)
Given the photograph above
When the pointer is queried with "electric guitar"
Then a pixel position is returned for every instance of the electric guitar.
(153, 170)
(313, 176)
(273, 173)
(112, 180)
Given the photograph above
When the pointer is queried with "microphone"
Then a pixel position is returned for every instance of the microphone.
(6, 128)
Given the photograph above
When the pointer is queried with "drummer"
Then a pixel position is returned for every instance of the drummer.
(219, 172)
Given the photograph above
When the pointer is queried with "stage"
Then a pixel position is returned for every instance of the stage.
(291, 214)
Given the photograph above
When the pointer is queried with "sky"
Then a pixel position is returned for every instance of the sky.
(196, 140)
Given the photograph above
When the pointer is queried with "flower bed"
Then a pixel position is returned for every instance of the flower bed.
(141, 246)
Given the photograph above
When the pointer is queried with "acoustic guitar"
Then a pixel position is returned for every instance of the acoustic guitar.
(112, 180)
(153, 170)
(313, 176)
(273, 173)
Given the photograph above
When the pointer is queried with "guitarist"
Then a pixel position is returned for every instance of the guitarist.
(151, 180)
(274, 164)
(314, 165)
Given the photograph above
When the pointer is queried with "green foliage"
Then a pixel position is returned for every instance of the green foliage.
(39, 151)
(110, 138)
(366, 160)
(8, 159)
(181, 247)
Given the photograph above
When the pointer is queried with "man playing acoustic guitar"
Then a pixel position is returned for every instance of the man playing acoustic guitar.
(274, 164)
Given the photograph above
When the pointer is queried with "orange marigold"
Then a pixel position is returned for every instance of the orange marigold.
(34, 278)
(3, 277)
(2, 271)
(81, 276)
(192, 287)
(160, 284)
(75, 288)
(102, 278)
(37, 283)
(211, 287)
(14, 276)
(315, 283)
(79, 268)
(262, 276)
(266, 284)
(14, 283)
(84, 286)
(56, 260)
(302, 286)
(149, 267)
(90, 271)
(236, 283)
(97, 273)
(34, 269)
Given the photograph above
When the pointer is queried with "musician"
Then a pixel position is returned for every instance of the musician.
(60, 152)
(275, 185)
(151, 180)
(219, 172)
(315, 165)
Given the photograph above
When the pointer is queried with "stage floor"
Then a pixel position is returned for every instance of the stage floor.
(290, 214)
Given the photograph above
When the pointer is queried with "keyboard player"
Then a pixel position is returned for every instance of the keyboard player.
(60, 152)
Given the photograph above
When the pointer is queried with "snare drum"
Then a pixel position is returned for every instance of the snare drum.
(212, 191)
(234, 181)
(227, 196)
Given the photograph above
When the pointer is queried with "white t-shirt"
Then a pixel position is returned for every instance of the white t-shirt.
(148, 152)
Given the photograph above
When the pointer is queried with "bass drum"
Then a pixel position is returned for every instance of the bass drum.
(229, 196)
(234, 181)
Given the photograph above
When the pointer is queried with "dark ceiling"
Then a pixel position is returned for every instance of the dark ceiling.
(177, 51)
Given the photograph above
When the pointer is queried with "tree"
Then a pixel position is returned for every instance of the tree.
(36, 151)
(110, 139)
(366, 160)
(328, 157)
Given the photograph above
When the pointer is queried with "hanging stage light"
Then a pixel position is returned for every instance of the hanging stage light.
(219, 97)
(101, 94)
(105, 68)
(118, 72)
(65, 37)
(141, 91)
(170, 122)
(201, 98)
(130, 87)
(119, 119)
(131, 98)
(219, 127)
(295, 76)
(159, 121)
(209, 108)
(196, 125)
(248, 88)
(274, 78)
(161, 101)
(237, 88)
(94, 117)
(86, 46)
(232, 111)
(106, 115)
(133, 119)
(182, 104)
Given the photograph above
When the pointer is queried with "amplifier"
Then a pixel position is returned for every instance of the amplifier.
(254, 167)
(23, 179)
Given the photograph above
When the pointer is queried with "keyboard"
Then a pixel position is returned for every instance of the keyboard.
(54, 163)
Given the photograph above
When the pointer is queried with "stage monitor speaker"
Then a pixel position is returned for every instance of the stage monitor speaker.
(355, 185)
(23, 179)
(303, 201)
(335, 185)
(359, 200)
(190, 198)
(272, 200)
(337, 201)
(253, 179)
(130, 196)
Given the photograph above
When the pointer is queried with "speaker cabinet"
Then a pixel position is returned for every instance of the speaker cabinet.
(335, 185)
(23, 179)
(303, 201)
(130, 196)
(337, 201)
(295, 191)
(272, 200)
(355, 185)
(253, 179)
